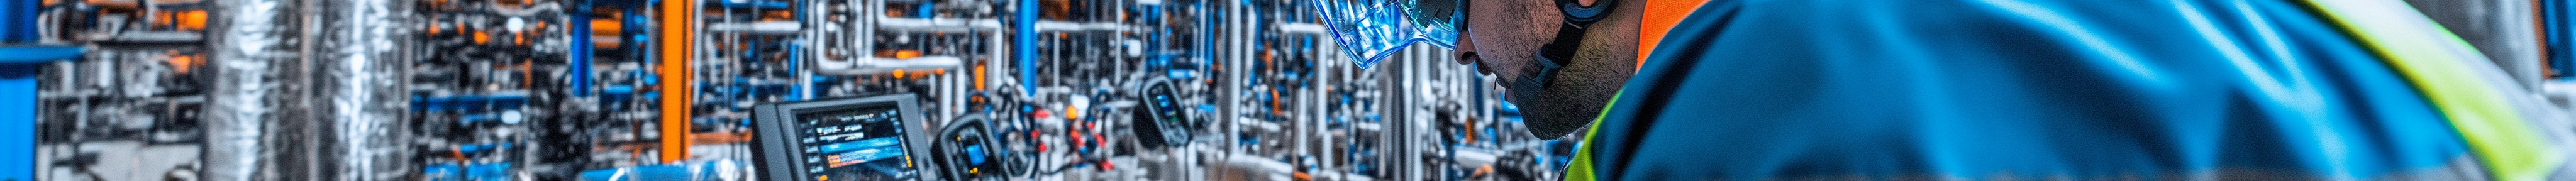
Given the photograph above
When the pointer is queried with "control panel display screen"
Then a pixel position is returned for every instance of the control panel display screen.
(863, 144)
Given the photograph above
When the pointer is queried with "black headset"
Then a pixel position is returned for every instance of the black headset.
(1569, 36)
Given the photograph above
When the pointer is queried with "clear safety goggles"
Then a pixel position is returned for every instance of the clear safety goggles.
(1371, 30)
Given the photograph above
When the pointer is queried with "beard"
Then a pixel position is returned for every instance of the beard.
(1559, 104)
(1552, 106)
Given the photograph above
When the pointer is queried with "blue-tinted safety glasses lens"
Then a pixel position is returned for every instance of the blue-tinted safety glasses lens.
(1371, 30)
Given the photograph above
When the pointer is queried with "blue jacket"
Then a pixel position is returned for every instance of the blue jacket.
(2082, 89)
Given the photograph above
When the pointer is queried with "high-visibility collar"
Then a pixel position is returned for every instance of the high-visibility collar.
(2432, 59)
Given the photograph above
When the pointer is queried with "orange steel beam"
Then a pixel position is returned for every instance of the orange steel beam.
(678, 18)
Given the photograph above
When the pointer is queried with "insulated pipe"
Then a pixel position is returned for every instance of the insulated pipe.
(863, 65)
(361, 133)
(942, 25)
(760, 27)
(245, 45)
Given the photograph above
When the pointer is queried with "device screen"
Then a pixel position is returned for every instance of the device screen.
(862, 144)
(1164, 106)
(1166, 109)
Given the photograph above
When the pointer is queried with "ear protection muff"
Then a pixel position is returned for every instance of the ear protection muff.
(1569, 37)
(1576, 12)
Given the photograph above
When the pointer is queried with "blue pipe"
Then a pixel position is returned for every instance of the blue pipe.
(763, 4)
(2562, 58)
(1026, 46)
(796, 61)
(21, 23)
(18, 89)
(1206, 34)
(581, 49)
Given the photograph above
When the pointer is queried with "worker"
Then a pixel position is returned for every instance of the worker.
(2008, 90)
(1561, 61)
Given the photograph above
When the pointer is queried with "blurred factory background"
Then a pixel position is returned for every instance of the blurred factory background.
(468, 90)
(649, 90)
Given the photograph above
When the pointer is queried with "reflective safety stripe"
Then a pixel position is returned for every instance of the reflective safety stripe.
(2430, 57)
(1581, 168)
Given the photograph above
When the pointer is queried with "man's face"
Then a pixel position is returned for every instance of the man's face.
(1503, 37)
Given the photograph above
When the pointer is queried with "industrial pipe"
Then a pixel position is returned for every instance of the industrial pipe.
(247, 36)
(365, 43)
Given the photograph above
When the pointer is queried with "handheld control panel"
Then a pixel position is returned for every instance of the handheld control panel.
(857, 139)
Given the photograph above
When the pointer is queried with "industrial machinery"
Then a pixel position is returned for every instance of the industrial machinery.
(677, 90)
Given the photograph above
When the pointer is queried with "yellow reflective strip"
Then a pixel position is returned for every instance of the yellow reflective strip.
(1581, 168)
(2431, 57)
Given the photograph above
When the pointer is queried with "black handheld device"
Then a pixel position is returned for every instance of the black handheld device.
(854, 139)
